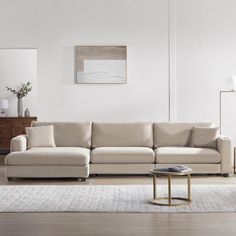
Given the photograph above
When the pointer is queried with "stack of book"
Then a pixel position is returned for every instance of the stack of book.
(179, 168)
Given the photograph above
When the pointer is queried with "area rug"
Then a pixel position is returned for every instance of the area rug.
(112, 198)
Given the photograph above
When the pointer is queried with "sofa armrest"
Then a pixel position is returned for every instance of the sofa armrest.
(225, 148)
(18, 144)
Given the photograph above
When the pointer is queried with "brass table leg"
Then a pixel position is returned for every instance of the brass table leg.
(168, 200)
(169, 190)
(154, 186)
(189, 187)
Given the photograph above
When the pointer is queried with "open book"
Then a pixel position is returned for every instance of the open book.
(179, 168)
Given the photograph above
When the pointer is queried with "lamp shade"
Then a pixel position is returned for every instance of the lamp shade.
(3, 104)
(231, 83)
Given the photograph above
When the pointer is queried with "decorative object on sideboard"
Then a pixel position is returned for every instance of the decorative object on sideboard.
(20, 107)
(100, 64)
(231, 83)
(27, 112)
(3, 107)
(22, 92)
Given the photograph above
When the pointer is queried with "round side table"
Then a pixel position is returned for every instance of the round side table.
(167, 201)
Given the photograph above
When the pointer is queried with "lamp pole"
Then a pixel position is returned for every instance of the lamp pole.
(220, 102)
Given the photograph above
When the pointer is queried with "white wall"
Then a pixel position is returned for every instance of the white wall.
(55, 26)
(205, 58)
(202, 33)
(18, 66)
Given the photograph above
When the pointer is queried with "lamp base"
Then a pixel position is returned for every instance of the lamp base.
(2, 114)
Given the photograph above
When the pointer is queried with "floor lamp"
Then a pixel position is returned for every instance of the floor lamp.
(221, 92)
(232, 86)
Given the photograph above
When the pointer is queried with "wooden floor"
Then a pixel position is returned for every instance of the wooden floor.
(189, 224)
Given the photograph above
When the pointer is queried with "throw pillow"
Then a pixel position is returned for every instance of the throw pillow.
(204, 137)
(42, 136)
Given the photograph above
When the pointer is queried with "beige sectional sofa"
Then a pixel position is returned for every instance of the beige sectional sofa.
(84, 148)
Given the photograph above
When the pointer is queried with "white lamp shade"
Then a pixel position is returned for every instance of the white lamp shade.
(3, 104)
(231, 83)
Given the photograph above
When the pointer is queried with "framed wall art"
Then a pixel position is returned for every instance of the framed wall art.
(100, 64)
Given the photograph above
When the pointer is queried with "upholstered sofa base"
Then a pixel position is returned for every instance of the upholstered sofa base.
(109, 169)
(121, 168)
(199, 168)
(146, 168)
(47, 171)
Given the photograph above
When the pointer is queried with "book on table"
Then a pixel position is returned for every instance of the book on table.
(179, 169)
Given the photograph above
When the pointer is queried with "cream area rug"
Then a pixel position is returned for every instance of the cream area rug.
(113, 198)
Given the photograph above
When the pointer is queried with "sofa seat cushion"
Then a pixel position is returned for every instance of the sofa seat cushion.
(66, 156)
(122, 155)
(186, 155)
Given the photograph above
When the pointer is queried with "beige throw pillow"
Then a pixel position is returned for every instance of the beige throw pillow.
(204, 137)
(42, 136)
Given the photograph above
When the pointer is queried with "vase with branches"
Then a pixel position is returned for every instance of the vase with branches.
(22, 92)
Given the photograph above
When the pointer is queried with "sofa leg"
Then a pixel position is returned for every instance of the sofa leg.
(93, 175)
(81, 179)
(226, 175)
(9, 179)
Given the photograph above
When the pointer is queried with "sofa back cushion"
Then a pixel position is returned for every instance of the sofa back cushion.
(133, 134)
(204, 137)
(70, 134)
(175, 134)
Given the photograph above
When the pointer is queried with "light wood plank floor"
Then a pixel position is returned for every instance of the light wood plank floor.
(38, 224)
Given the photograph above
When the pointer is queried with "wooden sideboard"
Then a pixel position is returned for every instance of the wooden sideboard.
(11, 127)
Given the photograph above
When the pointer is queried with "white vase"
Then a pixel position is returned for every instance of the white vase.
(20, 107)
(27, 112)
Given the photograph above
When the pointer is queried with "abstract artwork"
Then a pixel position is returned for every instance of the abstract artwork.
(100, 64)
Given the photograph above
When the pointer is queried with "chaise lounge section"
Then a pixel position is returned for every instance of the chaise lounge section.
(69, 159)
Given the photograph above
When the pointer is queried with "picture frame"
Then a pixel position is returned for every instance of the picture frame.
(100, 64)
